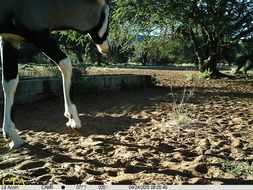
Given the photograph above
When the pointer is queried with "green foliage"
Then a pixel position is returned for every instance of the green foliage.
(244, 48)
(27, 70)
(52, 70)
(206, 74)
(205, 26)
(158, 50)
(180, 115)
(240, 169)
(78, 47)
(45, 70)
(189, 77)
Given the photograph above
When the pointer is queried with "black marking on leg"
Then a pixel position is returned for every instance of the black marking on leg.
(72, 93)
(12, 114)
(10, 61)
(94, 32)
(44, 41)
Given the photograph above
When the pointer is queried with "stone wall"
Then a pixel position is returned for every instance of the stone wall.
(30, 90)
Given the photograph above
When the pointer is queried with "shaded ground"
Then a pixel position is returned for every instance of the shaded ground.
(128, 137)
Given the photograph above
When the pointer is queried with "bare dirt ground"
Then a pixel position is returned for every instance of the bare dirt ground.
(128, 137)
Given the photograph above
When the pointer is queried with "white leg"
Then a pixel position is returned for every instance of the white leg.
(9, 131)
(70, 108)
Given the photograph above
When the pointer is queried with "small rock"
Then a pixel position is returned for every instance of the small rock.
(177, 157)
(237, 120)
(200, 158)
(197, 180)
(167, 164)
(217, 182)
(205, 143)
(200, 150)
(237, 143)
(250, 177)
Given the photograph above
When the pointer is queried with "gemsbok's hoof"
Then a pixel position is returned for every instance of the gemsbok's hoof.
(17, 144)
(78, 130)
(73, 125)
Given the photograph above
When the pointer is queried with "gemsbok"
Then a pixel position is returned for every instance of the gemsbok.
(32, 21)
(245, 61)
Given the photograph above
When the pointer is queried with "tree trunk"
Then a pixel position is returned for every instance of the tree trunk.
(144, 59)
(207, 53)
(210, 65)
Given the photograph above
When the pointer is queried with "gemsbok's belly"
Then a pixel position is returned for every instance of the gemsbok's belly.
(14, 39)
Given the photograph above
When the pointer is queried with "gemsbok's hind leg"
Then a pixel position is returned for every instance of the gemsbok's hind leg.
(44, 41)
(9, 60)
(248, 66)
(245, 74)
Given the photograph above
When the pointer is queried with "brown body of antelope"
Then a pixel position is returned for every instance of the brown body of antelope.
(32, 21)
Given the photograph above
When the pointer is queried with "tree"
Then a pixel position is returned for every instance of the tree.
(213, 26)
(159, 50)
(210, 26)
(78, 47)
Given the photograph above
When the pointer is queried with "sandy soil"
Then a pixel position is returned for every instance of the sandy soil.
(128, 136)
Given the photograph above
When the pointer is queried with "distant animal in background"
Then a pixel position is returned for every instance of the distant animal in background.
(245, 62)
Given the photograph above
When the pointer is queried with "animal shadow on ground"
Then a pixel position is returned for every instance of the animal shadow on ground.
(106, 113)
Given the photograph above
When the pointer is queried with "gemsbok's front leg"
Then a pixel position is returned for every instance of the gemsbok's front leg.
(10, 81)
(70, 108)
(44, 41)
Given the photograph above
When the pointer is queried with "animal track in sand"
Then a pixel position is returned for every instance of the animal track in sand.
(129, 141)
